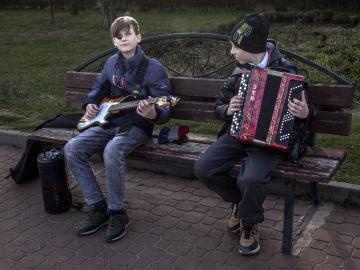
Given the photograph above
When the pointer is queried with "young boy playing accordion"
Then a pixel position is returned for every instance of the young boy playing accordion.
(247, 192)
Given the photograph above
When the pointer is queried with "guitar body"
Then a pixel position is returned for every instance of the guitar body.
(103, 115)
(110, 106)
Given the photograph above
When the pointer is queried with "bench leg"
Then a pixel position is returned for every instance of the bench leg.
(288, 216)
(315, 192)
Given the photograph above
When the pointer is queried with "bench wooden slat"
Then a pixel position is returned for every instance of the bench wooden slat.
(308, 168)
(84, 80)
(333, 96)
(338, 123)
(317, 165)
(336, 96)
(73, 98)
(195, 111)
(196, 87)
(62, 135)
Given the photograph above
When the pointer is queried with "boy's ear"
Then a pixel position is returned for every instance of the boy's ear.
(139, 37)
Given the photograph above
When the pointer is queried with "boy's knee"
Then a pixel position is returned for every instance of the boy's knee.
(112, 153)
(73, 151)
(199, 171)
(69, 148)
(249, 181)
(202, 172)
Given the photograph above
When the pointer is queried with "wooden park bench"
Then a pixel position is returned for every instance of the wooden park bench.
(198, 64)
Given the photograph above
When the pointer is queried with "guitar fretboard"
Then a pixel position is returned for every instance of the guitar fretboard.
(126, 105)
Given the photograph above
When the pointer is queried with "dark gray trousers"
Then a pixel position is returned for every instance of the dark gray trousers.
(248, 188)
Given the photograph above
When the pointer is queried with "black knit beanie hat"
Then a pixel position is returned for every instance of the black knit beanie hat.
(251, 33)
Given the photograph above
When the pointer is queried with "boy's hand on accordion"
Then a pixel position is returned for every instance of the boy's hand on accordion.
(299, 108)
(234, 105)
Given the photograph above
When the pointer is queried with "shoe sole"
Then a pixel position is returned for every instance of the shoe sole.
(234, 229)
(252, 252)
(93, 230)
(118, 237)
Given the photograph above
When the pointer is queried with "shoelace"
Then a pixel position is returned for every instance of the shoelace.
(91, 214)
(115, 221)
(248, 231)
(234, 210)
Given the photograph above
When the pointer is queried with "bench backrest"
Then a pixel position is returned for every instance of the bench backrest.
(198, 96)
(196, 61)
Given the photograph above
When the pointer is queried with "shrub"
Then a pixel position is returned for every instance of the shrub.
(326, 16)
(355, 20)
(342, 19)
(279, 5)
(308, 17)
(225, 28)
(287, 16)
(271, 16)
(281, 17)
(291, 16)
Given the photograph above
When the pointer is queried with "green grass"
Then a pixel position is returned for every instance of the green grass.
(35, 55)
(350, 169)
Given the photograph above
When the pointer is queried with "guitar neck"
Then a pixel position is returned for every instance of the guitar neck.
(124, 106)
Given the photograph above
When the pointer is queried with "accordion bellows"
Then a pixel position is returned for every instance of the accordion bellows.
(264, 119)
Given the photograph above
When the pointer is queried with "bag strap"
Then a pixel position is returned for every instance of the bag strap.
(139, 76)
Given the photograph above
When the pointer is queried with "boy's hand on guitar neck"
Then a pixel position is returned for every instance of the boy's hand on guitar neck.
(91, 111)
(146, 110)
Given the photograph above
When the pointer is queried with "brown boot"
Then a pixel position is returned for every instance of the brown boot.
(234, 220)
(249, 239)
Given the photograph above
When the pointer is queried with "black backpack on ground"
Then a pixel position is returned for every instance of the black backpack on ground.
(27, 168)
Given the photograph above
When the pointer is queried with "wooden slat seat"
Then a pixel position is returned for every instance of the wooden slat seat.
(319, 164)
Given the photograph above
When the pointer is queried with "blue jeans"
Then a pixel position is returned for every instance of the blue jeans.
(115, 146)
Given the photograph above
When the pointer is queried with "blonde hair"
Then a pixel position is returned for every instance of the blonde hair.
(122, 23)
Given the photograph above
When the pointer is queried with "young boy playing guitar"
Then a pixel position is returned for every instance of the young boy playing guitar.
(124, 132)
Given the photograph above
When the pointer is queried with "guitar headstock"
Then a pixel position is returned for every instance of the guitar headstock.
(165, 101)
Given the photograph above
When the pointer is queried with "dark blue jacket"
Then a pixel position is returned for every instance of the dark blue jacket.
(117, 79)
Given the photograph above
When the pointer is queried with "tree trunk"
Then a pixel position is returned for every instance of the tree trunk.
(74, 7)
(51, 9)
(108, 12)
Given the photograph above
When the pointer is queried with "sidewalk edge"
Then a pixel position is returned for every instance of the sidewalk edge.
(12, 137)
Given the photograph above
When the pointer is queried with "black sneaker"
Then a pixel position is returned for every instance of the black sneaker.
(94, 222)
(117, 227)
(249, 239)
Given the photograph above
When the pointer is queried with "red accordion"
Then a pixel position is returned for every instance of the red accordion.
(264, 118)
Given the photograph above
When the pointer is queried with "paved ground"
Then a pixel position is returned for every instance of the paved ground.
(175, 224)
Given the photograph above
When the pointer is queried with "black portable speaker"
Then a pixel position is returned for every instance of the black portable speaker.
(54, 183)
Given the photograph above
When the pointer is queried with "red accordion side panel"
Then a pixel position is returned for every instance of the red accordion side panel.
(253, 105)
(279, 109)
